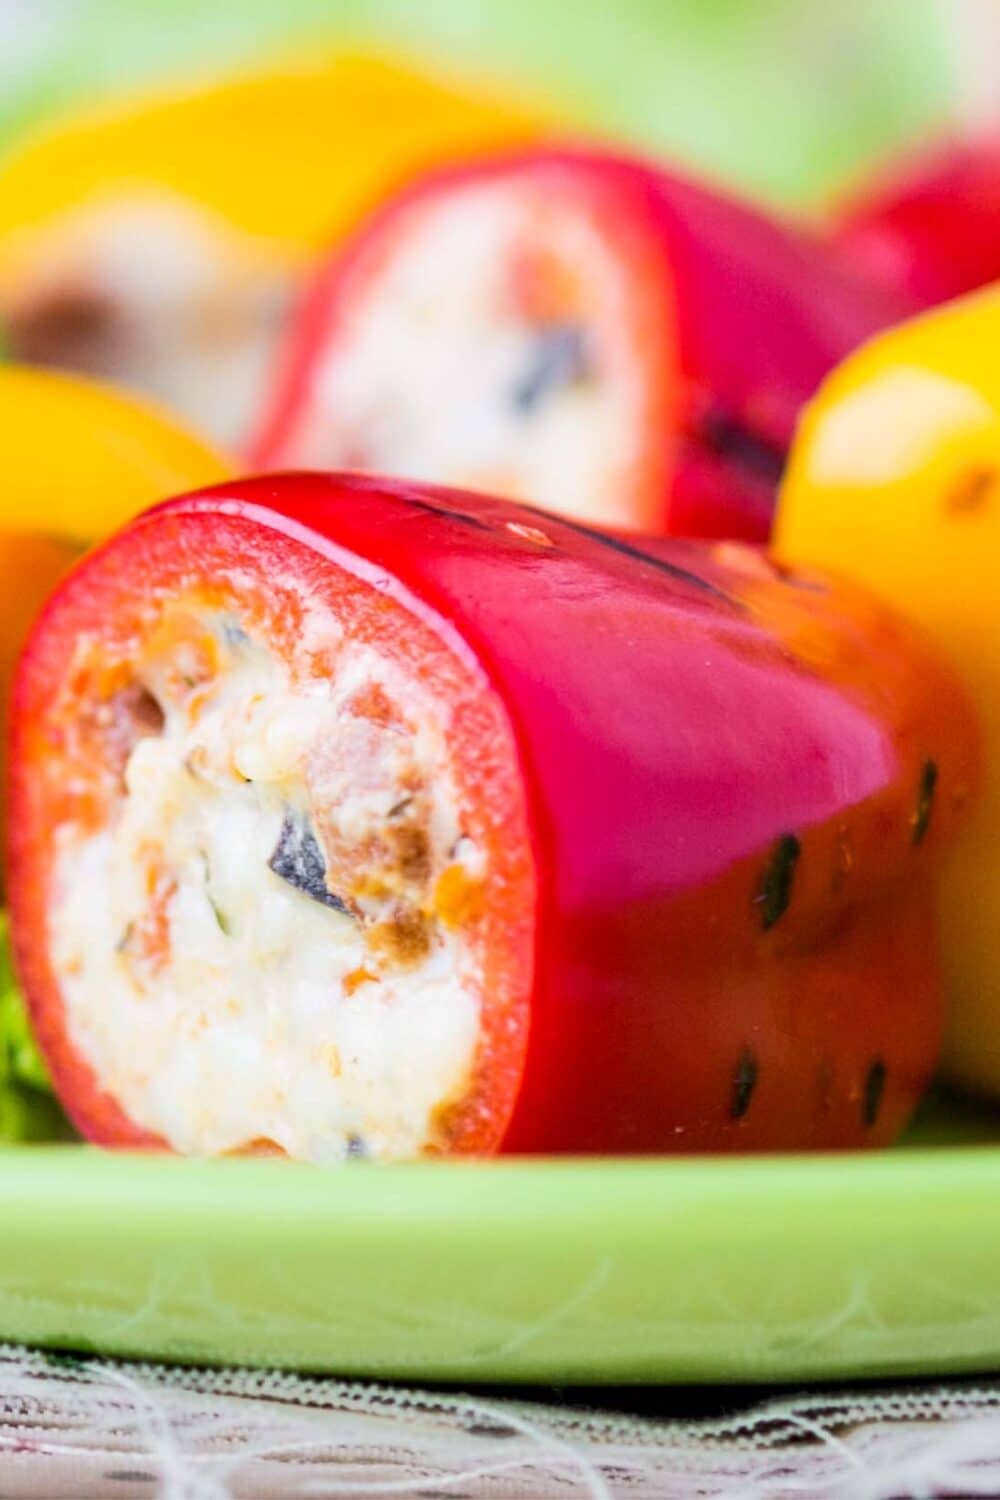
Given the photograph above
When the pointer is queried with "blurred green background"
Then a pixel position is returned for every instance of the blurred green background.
(788, 97)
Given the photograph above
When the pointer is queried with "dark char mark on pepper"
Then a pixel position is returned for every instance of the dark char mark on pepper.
(921, 820)
(450, 513)
(744, 1083)
(775, 891)
(874, 1089)
(558, 358)
(298, 859)
(734, 442)
(672, 570)
(614, 543)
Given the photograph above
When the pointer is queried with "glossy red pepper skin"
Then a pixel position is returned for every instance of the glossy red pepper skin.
(731, 828)
(930, 225)
(741, 318)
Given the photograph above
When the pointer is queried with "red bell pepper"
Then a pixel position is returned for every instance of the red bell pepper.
(580, 330)
(930, 225)
(351, 817)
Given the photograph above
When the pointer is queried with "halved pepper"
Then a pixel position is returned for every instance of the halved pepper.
(895, 481)
(584, 331)
(158, 240)
(358, 818)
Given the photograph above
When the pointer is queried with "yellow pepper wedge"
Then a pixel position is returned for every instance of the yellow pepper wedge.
(81, 458)
(290, 154)
(894, 479)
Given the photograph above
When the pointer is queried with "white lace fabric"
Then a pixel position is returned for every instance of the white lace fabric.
(89, 1429)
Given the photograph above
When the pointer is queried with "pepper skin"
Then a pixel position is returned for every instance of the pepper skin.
(698, 786)
(626, 346)
(931, 224)
(158, 240)
(895, 480)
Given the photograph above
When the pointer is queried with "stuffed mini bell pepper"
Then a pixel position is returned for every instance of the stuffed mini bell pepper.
(582, 331)
(895, 480)
(159, 241)
(358, 819)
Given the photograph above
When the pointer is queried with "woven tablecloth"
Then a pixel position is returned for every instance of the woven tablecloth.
(93, 1428)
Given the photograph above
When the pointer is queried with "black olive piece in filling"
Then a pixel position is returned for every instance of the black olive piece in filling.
(558, 359)
(744, 1083)
(921, 818)
(233, 634)
(298, 859)
(357, 1148)
(775, 891)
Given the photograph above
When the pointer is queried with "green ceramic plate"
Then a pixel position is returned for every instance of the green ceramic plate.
(780, 1268)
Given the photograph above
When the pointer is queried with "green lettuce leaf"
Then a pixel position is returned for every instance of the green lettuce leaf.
(28, 1110)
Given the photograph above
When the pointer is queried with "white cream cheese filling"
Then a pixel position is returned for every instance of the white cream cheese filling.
(436, 372)
(224, 1007)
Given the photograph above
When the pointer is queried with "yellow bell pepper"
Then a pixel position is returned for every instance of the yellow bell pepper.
(159, 240)
(79, 459)
(894, 479)
(290, 154)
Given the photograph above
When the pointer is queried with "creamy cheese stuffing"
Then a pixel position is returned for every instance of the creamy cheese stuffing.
(443, 371)
(224, 988)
